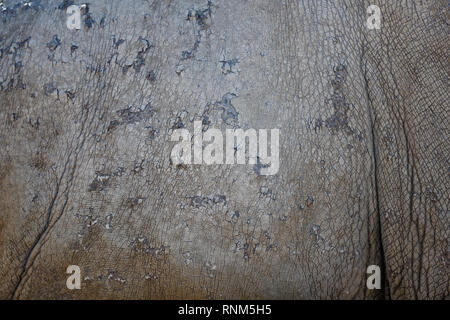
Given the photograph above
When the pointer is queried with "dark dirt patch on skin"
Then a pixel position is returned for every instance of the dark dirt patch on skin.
(40, 162)
(339, 120)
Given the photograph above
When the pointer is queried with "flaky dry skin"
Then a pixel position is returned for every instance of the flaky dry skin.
(85, 173)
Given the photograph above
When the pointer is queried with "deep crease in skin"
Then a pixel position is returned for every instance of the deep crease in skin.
(364, 175)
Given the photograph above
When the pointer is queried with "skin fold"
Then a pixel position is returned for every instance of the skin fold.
(85, 171)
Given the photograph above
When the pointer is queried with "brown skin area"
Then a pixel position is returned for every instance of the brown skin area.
(85, 172)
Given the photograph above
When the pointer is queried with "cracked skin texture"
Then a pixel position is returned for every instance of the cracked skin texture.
(85, 176)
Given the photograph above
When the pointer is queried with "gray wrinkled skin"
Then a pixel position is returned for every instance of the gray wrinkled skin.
(85, 171)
